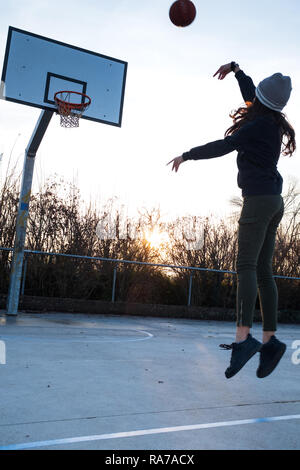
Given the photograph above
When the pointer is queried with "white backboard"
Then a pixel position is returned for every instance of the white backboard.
(35, 67)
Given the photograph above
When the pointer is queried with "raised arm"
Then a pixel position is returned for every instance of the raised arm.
(246, 85)
(245, 82)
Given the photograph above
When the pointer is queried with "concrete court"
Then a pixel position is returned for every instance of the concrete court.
(92, 377)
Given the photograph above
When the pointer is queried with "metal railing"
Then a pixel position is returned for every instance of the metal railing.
(192, 269)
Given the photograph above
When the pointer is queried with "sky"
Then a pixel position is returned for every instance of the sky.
(172, 101)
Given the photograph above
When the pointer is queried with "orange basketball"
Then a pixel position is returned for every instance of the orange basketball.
(182, 13)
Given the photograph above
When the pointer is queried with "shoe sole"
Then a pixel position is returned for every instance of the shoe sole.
(257, 349)
(268, 370)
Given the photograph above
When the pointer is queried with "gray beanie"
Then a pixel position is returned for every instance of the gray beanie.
(274, 91)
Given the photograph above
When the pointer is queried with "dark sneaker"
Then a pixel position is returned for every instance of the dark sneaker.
(270, 354)
(241, 353)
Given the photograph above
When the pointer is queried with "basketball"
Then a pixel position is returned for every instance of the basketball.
(182, 13)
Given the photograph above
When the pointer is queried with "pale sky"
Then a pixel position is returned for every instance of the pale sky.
(172, 102)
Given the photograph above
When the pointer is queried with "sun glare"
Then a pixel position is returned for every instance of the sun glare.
(156, 238)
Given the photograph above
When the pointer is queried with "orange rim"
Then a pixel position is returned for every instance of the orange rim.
(69, 106)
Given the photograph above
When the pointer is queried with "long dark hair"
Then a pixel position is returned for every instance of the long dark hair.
(245, 114)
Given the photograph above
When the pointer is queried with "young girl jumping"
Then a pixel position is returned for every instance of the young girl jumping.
(257, 134)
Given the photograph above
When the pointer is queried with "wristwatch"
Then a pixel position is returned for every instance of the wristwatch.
(234, 65)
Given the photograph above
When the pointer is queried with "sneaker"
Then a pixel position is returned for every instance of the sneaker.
(270, 354)
(241, 353)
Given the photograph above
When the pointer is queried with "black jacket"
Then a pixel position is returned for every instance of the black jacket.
(258, 144)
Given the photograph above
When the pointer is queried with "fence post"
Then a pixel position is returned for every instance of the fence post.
(113, 294)
(190, 288)
(24, 275)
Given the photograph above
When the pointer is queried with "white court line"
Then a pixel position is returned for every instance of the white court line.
(82, 339)
(144, 432)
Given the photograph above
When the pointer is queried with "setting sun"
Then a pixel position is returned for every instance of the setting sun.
(156, 238)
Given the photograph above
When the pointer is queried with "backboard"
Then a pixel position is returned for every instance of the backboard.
(36, 67)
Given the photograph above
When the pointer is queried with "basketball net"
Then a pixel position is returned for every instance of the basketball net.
(70, 113)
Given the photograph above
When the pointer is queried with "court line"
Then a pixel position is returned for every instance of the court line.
(81, 339)
(144, 432)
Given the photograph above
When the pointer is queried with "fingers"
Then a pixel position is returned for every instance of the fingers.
(221, 76)
(222, 71)
(218, 71)
(172, 161)
(176, 164)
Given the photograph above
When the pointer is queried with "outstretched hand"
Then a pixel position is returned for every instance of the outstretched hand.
(223, 71)
(176, 163)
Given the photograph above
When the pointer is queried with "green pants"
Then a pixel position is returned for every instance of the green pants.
(258, 225)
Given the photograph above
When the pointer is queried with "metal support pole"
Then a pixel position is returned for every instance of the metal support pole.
(190, 288)
(113, 294)
(25, 192)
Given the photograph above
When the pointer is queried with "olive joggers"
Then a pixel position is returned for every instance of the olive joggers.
(258, 223)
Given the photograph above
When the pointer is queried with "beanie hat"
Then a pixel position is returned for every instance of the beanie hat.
(274, 91)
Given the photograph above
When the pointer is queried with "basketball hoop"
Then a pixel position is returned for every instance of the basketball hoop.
(71, 112)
